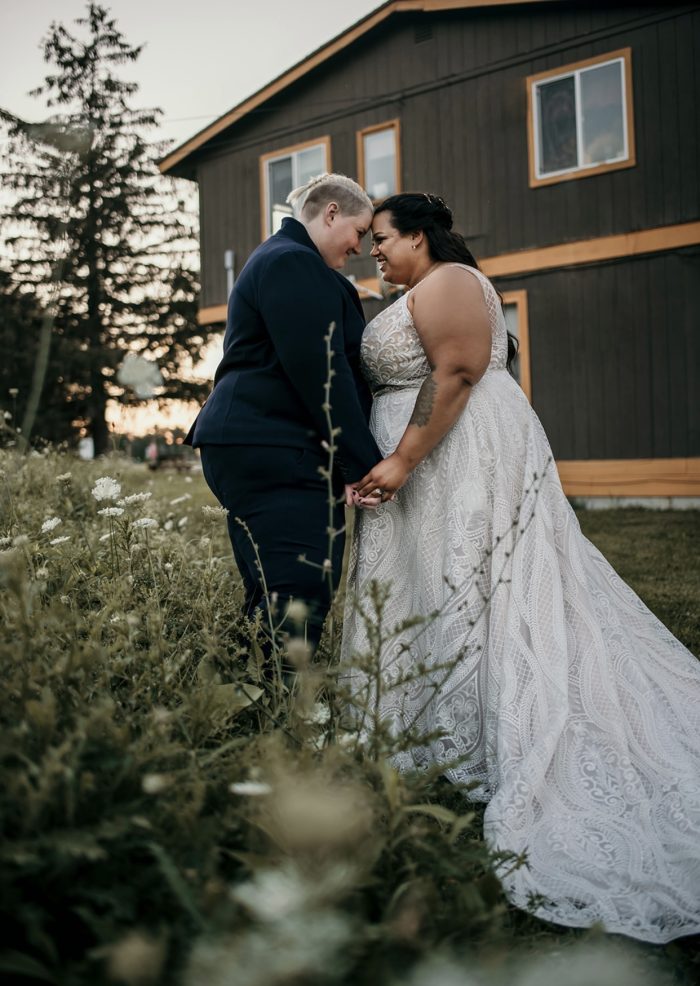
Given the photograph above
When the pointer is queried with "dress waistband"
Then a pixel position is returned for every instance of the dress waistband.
(396, 388)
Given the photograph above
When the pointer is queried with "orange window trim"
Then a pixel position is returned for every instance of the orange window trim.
(395, 125)
(325, 140)
(631, 159)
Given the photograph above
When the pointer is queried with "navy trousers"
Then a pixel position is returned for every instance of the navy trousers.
(280, 495)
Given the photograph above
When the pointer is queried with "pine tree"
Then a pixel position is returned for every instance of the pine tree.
(97, 233)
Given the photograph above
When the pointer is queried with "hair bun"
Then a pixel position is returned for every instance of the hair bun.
(442, 214)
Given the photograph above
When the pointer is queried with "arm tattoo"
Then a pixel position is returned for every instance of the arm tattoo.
(424, 403)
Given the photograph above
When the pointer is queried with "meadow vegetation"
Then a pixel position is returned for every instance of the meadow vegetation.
(172, 814)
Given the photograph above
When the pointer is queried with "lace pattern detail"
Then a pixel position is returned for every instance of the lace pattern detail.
(573, 708)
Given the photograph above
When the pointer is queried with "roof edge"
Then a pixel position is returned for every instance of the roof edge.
(313, 60)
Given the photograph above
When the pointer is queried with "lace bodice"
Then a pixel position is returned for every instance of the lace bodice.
(392, 355)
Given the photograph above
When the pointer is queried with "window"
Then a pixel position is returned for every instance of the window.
(580, 119)
(378, 159)
(285, 169)
(515, 310)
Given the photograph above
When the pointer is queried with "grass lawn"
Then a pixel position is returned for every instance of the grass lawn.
(656, 553)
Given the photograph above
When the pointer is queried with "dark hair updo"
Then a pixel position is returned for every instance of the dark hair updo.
(413, 212)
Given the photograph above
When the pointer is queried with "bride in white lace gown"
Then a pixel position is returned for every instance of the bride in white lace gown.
(573, 708)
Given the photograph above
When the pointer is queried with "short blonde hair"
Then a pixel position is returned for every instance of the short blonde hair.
(309, 199)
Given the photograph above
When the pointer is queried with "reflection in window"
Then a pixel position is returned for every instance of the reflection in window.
(580, 118)
(285, 172)
(378, 160)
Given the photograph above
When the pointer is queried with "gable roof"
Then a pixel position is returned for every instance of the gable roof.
(180, 154)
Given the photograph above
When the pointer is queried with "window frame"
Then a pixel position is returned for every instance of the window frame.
(360, 135)
(519, 299)
(580, 171)
(282, 152)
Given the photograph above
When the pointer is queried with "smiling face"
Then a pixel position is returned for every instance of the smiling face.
(395, 254)
(339, 236)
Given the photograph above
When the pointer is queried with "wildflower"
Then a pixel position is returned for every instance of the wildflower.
(139, 373)
(60, 540)
(214, 511)
(145, 522)
(106, 489)
(168, 525)
(42, 573)
(168, 566)
(117, 618)
(154, 783)
(20, 541)
(5, 542)
(49, 524)
(65, 477)
(13, 391)
(105, 537)
(181, 499)
(251, 789)
(182, 522)
(137, 958)
(7, 416)
(65, 600)
(111, 511)
(134, 498)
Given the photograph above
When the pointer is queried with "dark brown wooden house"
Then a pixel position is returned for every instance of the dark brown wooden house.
(566, 138)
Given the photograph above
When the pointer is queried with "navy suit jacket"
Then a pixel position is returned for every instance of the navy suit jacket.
(269, 386)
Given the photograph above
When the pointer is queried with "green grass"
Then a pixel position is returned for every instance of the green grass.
(658, 554)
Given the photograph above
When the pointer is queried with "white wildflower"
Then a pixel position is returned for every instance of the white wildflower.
(145, 522)
(154, 783)
(168, 525)
(106, 537)
(181, 499)
(117, 618)
(13, 391)
(5, 542)
(61, 540)
(50, 524)
(134, 498)
(111, 511)
(141, 374)
(65, 477)
(188, 479)
(42, 573)
(106, 489)
(250, 789)
(168, 566)
(132, 619)
(182, 522)
(65, 600)
(214, 511)
(7, 415)
(20, 541)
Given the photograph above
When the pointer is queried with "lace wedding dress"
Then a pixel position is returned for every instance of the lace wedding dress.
(572, 710)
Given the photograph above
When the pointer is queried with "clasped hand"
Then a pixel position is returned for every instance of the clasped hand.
(380, 484)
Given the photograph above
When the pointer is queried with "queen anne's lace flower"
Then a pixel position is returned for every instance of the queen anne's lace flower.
(214, 511)
(111, 511)
(106, 489)
(60, 540)
(251, 789)
(50, 524)
(145, 522)
(134, 498)
(181, 499)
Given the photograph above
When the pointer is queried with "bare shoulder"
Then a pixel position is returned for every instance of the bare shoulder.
(448, 287)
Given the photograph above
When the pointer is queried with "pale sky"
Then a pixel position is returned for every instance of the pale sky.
(200, 59)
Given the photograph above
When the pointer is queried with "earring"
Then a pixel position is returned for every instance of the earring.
(413, 247)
